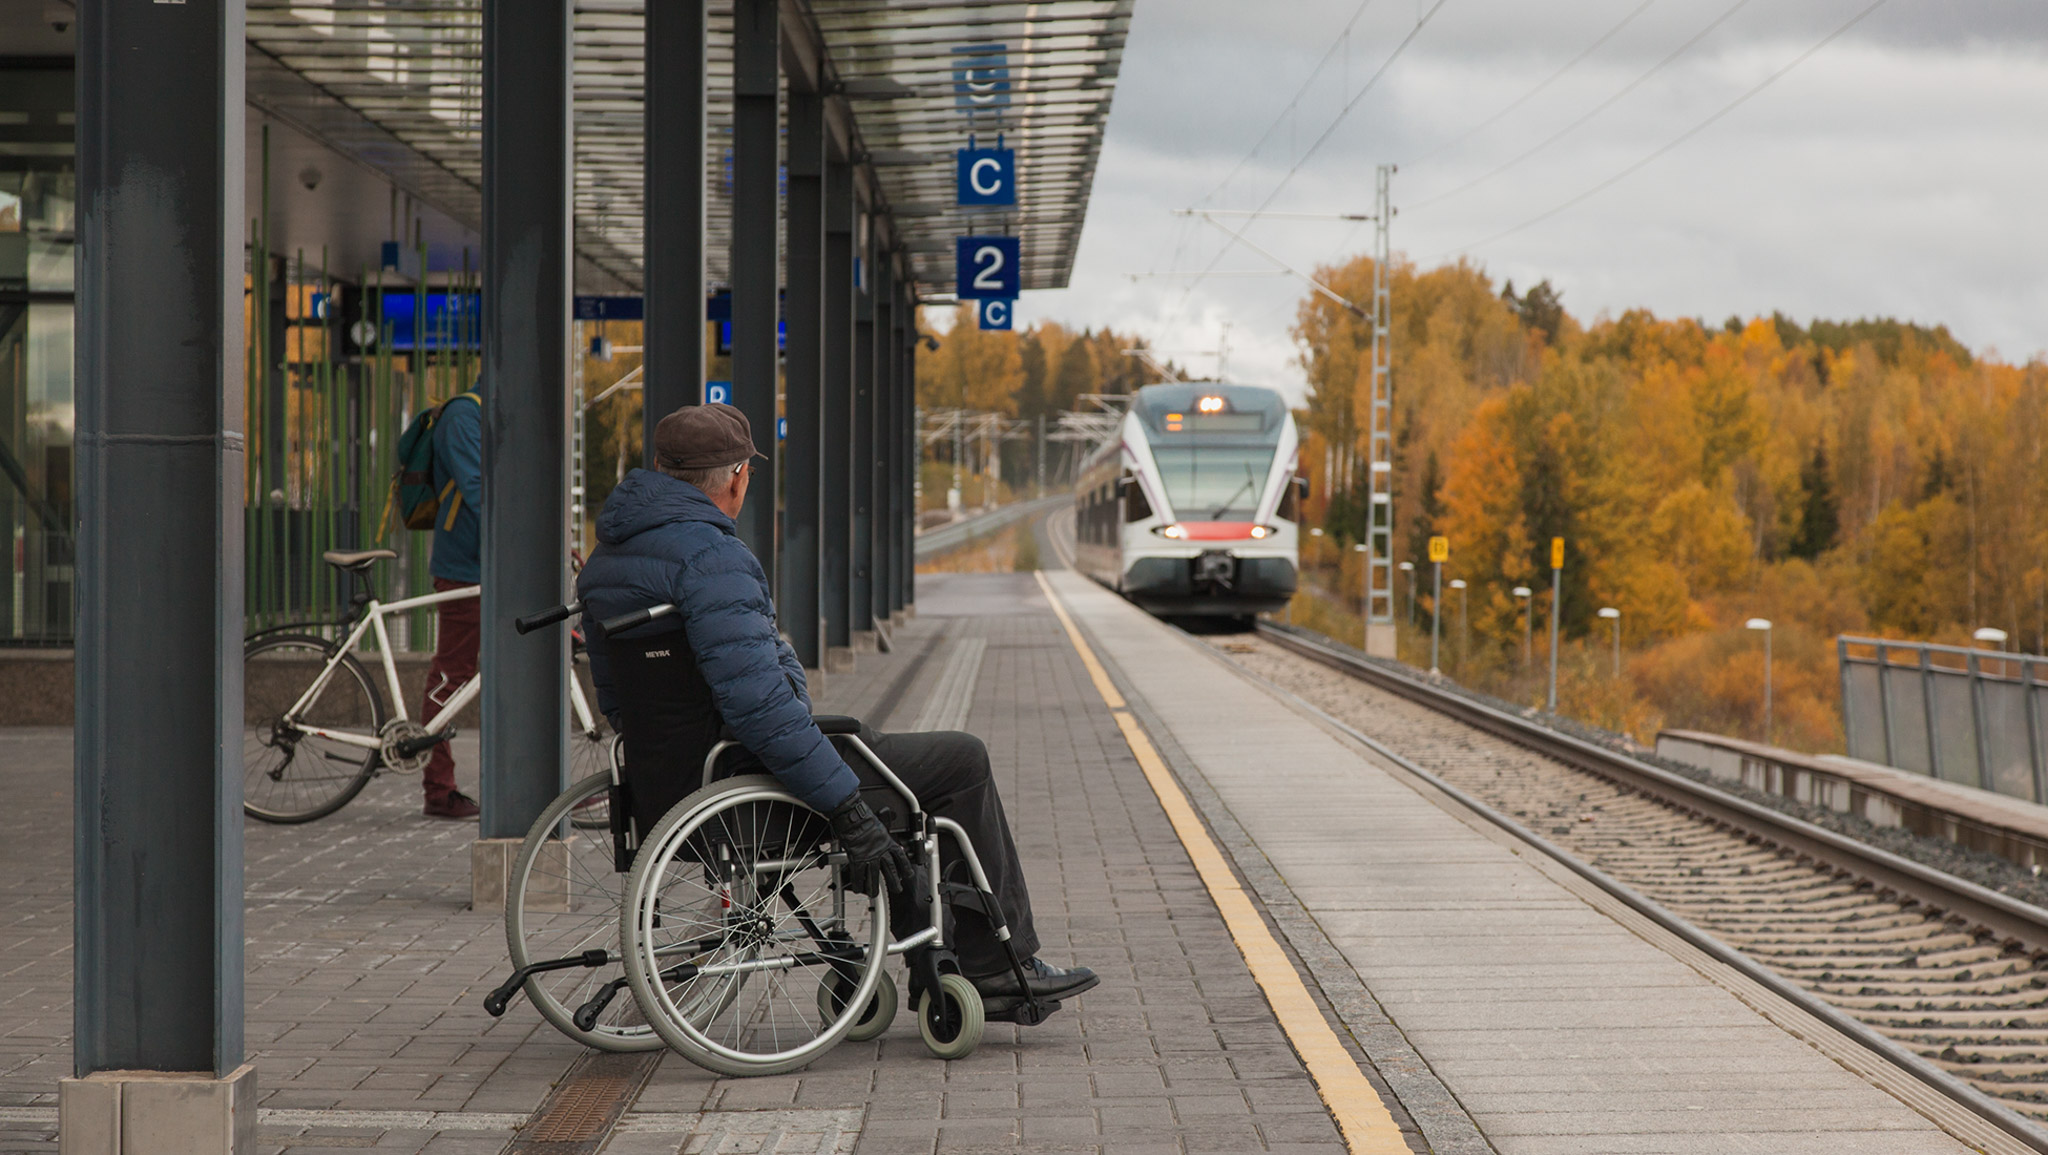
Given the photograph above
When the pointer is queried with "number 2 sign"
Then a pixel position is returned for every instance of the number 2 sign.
(986, 268)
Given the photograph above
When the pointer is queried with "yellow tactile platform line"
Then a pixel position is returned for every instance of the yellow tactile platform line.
(1361, 1114)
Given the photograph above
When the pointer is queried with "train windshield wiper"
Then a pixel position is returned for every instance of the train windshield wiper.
(1251, 482)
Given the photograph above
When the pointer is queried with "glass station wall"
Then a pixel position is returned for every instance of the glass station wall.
(37, 221)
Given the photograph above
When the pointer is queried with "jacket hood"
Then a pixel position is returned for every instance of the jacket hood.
(647, 500)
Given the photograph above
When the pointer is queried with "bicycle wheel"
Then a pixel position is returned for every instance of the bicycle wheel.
(591, 756)
(734, 914)
(562, 900)
(287, 774)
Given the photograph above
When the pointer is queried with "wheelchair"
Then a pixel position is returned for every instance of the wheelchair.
(734, 924)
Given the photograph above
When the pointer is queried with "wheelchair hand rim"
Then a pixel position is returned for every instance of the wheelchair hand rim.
(643, 914)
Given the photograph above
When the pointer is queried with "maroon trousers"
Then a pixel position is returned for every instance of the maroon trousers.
(455, 643)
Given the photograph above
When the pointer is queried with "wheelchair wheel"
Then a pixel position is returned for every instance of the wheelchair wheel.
(734, 914)
(951, 1018)
(563, 899)
(880, 1013)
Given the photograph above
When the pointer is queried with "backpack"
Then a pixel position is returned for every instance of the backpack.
(412, 495)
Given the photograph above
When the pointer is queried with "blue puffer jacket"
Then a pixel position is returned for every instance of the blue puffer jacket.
(661, 540)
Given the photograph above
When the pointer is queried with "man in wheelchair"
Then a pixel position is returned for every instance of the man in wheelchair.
(719, 669)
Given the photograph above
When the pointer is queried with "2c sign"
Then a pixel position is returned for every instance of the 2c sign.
(985, 268)
(988, 176)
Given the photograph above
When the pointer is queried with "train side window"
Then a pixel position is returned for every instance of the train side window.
(1136, 507)
(1291, 498)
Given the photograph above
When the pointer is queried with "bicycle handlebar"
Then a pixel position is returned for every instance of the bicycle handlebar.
(636, 618)
(548, 617)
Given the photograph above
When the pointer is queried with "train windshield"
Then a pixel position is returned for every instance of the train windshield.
(1214, 482)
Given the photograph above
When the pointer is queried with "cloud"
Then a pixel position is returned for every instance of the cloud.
(1893, 173)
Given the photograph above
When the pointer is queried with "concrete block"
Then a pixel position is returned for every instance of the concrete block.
(158, 1113)
(838, 660)
(490, 873)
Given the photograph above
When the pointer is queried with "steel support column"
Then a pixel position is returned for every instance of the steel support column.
(803, 374)
(526, 304)
(756, 141)
(884, 471)
(157, 825)
(901, 326)
(836, 518)
(912, 455)
(860, 590)
(673, 337)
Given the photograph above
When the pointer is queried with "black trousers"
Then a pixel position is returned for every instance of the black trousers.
(949, 773)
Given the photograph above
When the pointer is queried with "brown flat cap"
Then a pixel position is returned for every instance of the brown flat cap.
(704, 436)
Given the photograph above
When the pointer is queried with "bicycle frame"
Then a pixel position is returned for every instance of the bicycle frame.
(372, 620)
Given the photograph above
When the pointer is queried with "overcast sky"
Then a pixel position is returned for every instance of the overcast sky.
(1899, 170)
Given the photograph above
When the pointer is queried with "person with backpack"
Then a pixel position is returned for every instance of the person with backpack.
(457, 477)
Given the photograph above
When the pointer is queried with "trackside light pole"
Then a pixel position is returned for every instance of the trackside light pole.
(1764, 625)
(1408, 574)
(1614, 615)
(1464, 635)
(1528, 624)
(1365, 596)
(1556, 588)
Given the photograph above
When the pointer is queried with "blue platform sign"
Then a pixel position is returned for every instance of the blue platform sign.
(782, 429)
(985, 268)
(718, 393)
(996, 314)
(981, 76)
(988, 176)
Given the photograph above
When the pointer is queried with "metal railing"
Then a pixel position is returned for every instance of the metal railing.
(1973, 717)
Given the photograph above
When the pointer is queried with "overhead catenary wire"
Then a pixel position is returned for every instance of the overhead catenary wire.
(1546, 82)
(1370, 83)
(1680, 139)
(1342, 41)
(1596, 110)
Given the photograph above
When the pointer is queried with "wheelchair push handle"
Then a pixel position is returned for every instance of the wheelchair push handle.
(636, 618)
(547, 617)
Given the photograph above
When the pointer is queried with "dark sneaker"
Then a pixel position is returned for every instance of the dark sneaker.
(456, 804)
(1046, 981)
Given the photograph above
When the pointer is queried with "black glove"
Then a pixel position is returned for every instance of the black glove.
(871, 852)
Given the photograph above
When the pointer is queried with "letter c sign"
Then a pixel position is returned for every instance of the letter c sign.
(996, 314)
(988, 176)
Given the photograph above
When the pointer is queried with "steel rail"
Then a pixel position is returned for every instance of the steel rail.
(1933, 890)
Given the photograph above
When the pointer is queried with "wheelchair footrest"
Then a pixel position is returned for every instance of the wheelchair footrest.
(1020, 1011)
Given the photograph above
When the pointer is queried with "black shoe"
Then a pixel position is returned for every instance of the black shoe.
(1045, 981)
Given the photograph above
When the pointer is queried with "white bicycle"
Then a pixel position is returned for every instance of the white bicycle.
(315, 728)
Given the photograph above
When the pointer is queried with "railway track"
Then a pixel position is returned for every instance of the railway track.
(1946, 970)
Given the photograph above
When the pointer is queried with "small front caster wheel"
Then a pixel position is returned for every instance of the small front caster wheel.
(950, 1018)
(881, 1008)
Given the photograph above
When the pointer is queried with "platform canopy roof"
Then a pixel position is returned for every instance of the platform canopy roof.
(398, 85)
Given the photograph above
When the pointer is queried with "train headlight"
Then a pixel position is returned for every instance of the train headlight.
(1209, 405)
(1261, 531)
(1172, 531)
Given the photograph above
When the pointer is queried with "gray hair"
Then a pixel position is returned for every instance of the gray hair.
(714, 481)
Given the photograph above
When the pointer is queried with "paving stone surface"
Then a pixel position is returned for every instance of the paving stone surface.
(366, 969)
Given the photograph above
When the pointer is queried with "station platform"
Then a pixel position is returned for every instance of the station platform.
(1302, 951)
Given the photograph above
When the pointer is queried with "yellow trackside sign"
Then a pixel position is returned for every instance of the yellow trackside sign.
(1556, 553)
(1439, 549)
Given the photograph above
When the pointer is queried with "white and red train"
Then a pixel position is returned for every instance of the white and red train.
(1194, 507)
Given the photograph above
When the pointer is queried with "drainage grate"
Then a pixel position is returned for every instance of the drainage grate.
(584, 1107)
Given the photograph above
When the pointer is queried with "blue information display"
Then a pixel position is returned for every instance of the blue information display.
(988, 176)
(718, 393)
(981, 76)
(986, 268)
(782, 429)
(997, 314)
